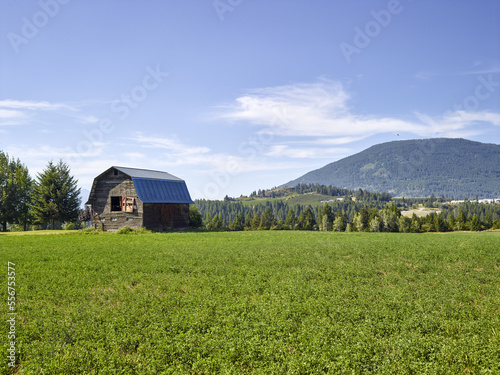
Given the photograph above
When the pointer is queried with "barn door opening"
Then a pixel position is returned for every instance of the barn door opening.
(116, 203)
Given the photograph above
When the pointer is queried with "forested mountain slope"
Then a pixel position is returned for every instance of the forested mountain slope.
(417, 168)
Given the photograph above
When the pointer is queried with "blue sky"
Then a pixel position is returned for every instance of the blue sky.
(238, 95)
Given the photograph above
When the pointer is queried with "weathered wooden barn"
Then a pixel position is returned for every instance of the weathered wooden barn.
(130, 197)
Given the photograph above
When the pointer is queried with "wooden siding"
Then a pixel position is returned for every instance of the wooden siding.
(152, 216)
(109, 185)
(161, 216)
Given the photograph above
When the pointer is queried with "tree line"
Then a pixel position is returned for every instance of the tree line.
(52, 198)
(347, 215)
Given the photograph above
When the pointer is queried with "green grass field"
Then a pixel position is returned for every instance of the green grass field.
(254, 302)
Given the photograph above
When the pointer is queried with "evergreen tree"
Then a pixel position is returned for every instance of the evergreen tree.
(208, 220)
(339, 225)
(440, 224)
(363, 219)
(56, 196)
(238, 223)
(326, 216)
(389, 220)
(266, 220)
(15, 191)
(306, 220)
(475, 223)
(248, 220)
(375, 224)
(291, 219)
(487, 221)
(404, 224)
(256, 221)
(415, 226)
(217, 223)
(460, 221)
(451, 222)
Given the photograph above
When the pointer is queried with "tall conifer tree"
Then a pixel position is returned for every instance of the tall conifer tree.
(56, 196)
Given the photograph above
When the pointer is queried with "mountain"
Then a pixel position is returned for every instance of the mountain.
(417, 168)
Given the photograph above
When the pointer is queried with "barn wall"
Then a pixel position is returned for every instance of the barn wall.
(161, 216)
(109, 185)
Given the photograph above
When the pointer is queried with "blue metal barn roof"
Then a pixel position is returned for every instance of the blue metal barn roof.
(146, 173)
(151, 190)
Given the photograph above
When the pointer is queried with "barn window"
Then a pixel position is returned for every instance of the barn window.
(115, 172)
(127, 204)
(116, 203)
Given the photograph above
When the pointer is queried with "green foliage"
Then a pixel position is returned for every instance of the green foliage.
(70, 226)
(195, 218)
(359, 213)
(216, 224)
(291, 219)
(256, 302)
(129, 230)
(15, 192)
(56, 196)
(417, 168)
(237, 223)
(90, 231)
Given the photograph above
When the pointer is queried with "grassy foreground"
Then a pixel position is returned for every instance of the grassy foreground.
(254, 302)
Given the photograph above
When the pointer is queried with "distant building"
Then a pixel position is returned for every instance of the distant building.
(130, 197)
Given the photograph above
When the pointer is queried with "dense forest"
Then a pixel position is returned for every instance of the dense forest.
(457, 168)
(355, 211)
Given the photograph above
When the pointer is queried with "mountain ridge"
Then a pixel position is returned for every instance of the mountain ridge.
(454, 167)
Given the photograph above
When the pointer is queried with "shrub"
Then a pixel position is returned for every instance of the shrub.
(128, 230)
(90, 231)
(69, 226)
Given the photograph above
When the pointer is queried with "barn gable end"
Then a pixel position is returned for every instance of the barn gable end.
(139, 198)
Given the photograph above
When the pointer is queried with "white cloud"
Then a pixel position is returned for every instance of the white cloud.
(32, 105)
(171, 144)
(458, 123)
(492, 69)
(17, 112)
(203, 158)
(305, 152)
(11, 116)
(321, 110)
(315, 110)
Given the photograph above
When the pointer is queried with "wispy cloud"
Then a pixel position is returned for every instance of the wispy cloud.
(479, 68)
(491, 69)
(282, 150)
(177, 153)
(322, 110)
(33, 105)
(18, 112)
(42, 152)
